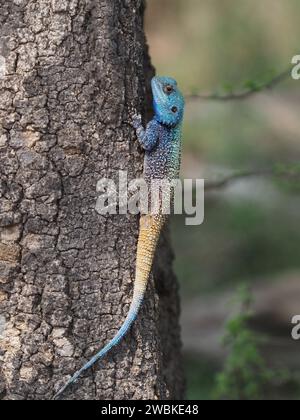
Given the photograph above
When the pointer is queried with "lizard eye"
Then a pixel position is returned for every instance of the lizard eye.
(168, 89)
(174, 109)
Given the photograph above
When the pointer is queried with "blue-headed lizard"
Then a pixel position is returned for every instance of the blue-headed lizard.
(162, 144)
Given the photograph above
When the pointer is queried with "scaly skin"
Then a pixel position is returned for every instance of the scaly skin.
(162, 144)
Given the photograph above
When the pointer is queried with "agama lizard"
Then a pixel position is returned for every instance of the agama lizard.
(162, 144)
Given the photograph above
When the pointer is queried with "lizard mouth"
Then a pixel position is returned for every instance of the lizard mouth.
(156, 85)
(159, 96)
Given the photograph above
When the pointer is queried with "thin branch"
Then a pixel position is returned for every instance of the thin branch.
(246, 93)
(275, 171)
(224, 182)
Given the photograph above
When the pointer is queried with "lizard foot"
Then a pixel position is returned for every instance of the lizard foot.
(136, 120)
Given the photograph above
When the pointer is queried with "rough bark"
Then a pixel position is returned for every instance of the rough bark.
(71, 72)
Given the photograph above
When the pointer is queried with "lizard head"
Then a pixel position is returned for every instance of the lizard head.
(168, 101)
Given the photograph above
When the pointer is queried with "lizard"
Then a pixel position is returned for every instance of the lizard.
(161, 141)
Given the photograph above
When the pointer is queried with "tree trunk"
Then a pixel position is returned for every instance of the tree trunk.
(71, 74)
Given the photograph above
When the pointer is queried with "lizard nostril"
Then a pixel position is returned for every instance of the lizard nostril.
(174, 109)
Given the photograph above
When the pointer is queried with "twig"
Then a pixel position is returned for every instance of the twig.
(224, 182)
(246, 93)
(274, 171)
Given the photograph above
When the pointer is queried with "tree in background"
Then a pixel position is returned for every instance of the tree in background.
(73, 71)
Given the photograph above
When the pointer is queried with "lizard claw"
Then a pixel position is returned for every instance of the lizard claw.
(136, 120)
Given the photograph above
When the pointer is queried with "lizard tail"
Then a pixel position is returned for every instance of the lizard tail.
(150, 228)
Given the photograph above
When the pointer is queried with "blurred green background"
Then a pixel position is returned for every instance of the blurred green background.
(251, 231)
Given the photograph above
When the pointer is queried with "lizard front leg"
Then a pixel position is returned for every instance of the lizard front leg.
(148, 137)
